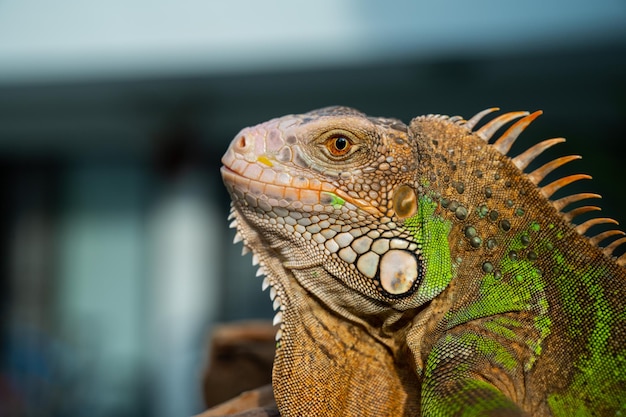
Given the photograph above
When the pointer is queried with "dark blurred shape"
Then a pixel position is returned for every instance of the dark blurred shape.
(241, 357)
(31, 375)
(177, 147)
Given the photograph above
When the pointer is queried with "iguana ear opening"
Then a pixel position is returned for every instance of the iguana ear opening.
(404, 201)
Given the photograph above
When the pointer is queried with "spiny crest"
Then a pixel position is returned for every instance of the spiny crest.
(268, 282)
(504, 143)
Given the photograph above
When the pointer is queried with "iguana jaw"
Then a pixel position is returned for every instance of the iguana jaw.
(285, 277)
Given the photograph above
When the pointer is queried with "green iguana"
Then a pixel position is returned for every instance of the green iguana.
(417, 270)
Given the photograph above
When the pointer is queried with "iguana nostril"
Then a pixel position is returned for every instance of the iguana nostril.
(241, 143)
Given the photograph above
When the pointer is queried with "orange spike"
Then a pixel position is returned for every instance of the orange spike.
(487, 131)
(522, 160)
(614, 245)
(478, 116)
(553, 187)
(503, 143)
(621, 261)
(578, 211)
(540, 173)
(563, 202)
(583, 227)
(604, 235)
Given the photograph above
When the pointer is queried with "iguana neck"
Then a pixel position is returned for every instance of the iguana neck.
(328, 364)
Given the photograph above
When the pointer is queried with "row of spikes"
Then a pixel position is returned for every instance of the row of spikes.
(504, 143)
(261, 272)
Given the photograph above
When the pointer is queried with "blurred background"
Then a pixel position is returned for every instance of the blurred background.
(115, 257)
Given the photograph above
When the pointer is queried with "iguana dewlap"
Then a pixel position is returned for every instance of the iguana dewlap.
(416, 270)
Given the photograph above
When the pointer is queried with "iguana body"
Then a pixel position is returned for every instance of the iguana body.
(417, 271)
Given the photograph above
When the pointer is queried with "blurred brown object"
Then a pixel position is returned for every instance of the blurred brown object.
(255, 403)
(240, 359)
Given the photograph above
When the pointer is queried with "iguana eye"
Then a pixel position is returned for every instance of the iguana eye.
(338, 144)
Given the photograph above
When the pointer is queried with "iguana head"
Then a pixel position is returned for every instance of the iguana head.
(329, 192)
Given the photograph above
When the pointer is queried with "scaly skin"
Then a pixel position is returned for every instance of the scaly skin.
(417, 271)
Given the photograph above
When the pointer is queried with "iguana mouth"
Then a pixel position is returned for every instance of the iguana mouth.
(313, 197)
(287, 189)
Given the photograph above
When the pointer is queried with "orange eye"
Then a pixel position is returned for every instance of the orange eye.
(338, 145)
